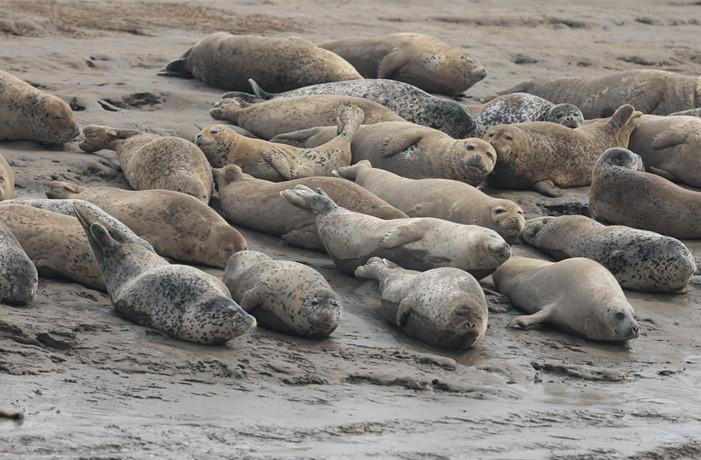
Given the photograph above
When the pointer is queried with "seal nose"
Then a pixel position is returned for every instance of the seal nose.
(501, 250)
(481, 73)
(634, 331)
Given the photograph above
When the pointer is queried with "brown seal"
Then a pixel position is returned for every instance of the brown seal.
(7, 179)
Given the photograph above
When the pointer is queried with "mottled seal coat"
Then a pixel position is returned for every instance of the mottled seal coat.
(276, 162)
(257, 204)
(623, 193)
(440, 198)
(282, 115)
(184, 302)
(418, 243)
(576, 295)
(670, 147)
(285, 296)
(420, 60)
(444, 307)
(545, 156)
(18, 276)
(29, 114)
(152, 162)
(640, 260)
(410, 150)
(649, 91)
(7, 179)
(227, 61)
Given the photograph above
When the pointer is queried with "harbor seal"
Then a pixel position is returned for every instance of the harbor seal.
(443, 307)
(18, 276)
(640, 260)
(29, 114)
(576, 295)
(226, 61)
(545, 156)
(181, 301)
(650, 91)
(7, 179)
(420, 60)
(285, 296)
(257, 204)
(623, 193)
(417, 243)
(440, 198)
(152, 162)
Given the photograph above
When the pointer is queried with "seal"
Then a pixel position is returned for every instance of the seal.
(443, 307)
(18, 276)
(640, 260)
(649, 91)
(545, 156)
(226, 61)
(670, 147)
(623, 193)
(417, 243)
(7, 179)
(152, 162)
(183, 302)
(577, 295)
(440, 198)
(284, 296)
(29, 114)
(257, 204)
(420, 60)
(687, 113)
(277, 162)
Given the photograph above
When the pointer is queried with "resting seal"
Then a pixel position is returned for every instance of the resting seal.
(7, 179)
(285, 296)
(152, 162)
(444, 307)
(440, 198)
(420, 60)
(545, 156)
(419, 243)
(18, 276)
(576, 295)
(622, 193)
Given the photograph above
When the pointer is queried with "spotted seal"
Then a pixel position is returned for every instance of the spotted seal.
(18, 276)
(7, 179)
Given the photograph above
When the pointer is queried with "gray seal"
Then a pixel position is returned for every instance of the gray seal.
(18, 276)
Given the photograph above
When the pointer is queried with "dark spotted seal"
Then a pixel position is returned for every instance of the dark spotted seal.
(18, 276)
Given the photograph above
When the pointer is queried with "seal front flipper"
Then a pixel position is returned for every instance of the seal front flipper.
(306, 237)
(306, 138)
(399, 143)
(662, 173)
(404, 234)
(391, 63)
(539, 317)
(251, 300)
(281, 164)
(403, 311)
(669, 138)
(547, 188)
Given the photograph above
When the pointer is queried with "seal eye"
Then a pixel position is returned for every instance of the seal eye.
(620, 316)
(508, 137)
(499, 211)
(470, 147)
(214, 131)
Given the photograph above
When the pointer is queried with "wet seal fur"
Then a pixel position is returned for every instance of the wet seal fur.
(285, 296)
(576, 295)
(443, 307)
(18, 276)
(7, 179)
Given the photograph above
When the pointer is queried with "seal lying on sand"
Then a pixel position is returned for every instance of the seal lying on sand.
(444, 307)
(18, 276)
(7, 179)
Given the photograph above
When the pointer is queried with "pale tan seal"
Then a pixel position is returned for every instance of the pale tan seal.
(18, 276)
(7, 179)
(418, 59)
(152, 162)
(285, 296)
(440, 198)
(576, 295)
(227, 61)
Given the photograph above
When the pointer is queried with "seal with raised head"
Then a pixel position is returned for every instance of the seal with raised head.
(417, 243)
(440, 198)
(281, 63)
(7, 179)
(418, 59)
(285, 296)
(545, 156)
(18, 276)
(181, 301)
(623, 193)
(152, 162)
(640, 260)
(576, 295)
(444, 307)
(29, 114)
(257, 204)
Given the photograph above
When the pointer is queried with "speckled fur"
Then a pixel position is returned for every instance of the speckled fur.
(7, 179)
(18, 276)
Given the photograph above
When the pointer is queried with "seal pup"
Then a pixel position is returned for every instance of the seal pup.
(443, 307)
(257, 204)
(29, 114)
(7, 179)
(226, 61)
(640, 260)
(576, 295)
(18, 276)
(152, 162)
(181, 301)
(285, 296)
(623, 193)
(418, 59)
(545, 156)
(418, 243)
(440, 198)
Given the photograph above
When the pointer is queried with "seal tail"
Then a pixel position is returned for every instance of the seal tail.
(317, 201)
(59, 190)
(351, 172)
(375, 268)
(260, 92)
(348, 119)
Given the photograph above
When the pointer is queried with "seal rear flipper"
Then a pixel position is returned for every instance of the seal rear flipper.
(404, 234)
(539, 317)
(393, 145)
(391, 63)
(374, 268)
(547, 188)
(348, 120)
(260, 92)
(243, 96)
(175, 68)
(351, 172)
(281, 164)
(302, 196)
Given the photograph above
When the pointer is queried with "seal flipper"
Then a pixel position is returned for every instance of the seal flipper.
(281, 164)
(403, 234)
(397, 144)
(666, 174)
(305, 237)
(391, 63)
(317, 201)
(668, 138)
(307, 138)
(547, 188)
(260, 92)
(351, 172)
(403, 311)
(539, 317)
(176, 68)
(251, 300)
